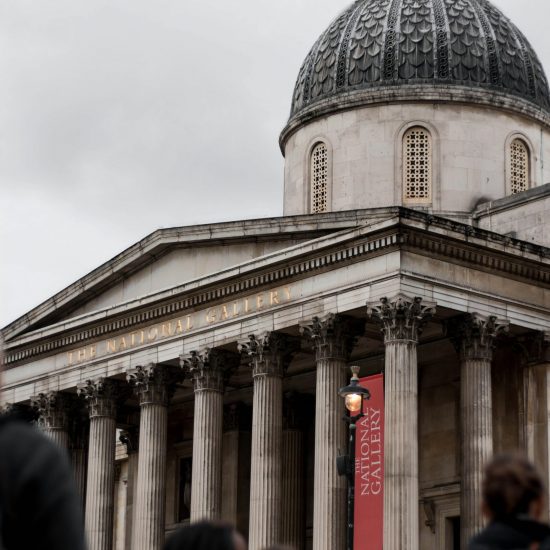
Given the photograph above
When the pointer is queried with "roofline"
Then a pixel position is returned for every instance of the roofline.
(414, 93)
(155, 244)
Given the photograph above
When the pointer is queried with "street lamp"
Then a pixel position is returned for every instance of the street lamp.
(354, 396)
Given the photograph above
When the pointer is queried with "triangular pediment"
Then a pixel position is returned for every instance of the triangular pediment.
(168, 258)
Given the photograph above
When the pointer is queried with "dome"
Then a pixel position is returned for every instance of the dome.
(386, 50)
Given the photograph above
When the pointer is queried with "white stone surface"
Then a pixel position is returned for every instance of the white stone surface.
(469, 145)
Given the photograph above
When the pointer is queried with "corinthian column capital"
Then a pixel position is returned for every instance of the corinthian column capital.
(101, 396)
(153, 383)
(332, 335)
(474, 335)
(535, 348)
(270, 352)
(401, 317)
(209, 368)
(53, 409)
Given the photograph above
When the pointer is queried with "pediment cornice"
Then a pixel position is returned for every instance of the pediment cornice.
(406, 230)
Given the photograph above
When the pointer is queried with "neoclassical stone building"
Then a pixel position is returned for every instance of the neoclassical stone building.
(196, 374)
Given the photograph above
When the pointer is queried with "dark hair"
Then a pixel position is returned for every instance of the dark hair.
(511, 484)
(204, 535)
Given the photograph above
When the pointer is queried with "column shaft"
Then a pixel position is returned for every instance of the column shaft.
(265, 489)
(230, 479)
(100, 483)
(133, 459)
(79, 460)
(477, 440)
(207, 456)
(148, 532)
(401, 447)
(329, 504)
(293, 490)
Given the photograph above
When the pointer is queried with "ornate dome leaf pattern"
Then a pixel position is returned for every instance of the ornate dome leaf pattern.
(378, 43)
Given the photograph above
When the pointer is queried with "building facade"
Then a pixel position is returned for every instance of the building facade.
(196, 375)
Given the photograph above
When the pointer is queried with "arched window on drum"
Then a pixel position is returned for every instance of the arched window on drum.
(319, 179)
(417, 166)
(519, 166)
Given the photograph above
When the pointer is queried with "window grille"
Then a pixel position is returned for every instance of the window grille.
(319, 179)
(417, 165)
(519, 166)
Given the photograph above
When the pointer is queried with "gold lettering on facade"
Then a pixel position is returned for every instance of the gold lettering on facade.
(211, 316)
(179, 326)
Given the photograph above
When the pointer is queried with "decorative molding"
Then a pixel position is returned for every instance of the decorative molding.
(54, 409)
(270, 352)
(401, 317)
(101, 396)
(333, 336)
(153, 383)
(474, 335)
(535, 348)
(209, 368)
(130, 439)
(459, 248)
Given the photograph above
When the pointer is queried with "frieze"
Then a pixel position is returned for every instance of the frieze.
(504, 259)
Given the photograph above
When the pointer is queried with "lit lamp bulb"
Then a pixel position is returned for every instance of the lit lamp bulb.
(354, 402)
(354, 393)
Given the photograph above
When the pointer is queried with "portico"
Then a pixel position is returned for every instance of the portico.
(200, 372)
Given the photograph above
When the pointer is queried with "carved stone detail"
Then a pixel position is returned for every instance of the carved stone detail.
(270, 352)
(474, 335)
(153, 383)
(209, 368)
(535, 348)
(53, 409)
(467, 43)
(401, 317)
(130, 439)
(333, 335)
(101, 396)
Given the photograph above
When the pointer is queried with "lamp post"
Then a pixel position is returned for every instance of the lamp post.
(354, 396)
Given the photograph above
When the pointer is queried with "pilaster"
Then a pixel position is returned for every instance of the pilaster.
(269, 354)
(535, 350)
(333, 337)
(474, 337)
(401, 320)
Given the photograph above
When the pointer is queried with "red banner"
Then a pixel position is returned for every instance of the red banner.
(369, 469)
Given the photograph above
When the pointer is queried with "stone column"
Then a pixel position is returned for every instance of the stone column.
(235, 440)
(130, 439)
(53, 416)
(208, 369)
(401, 319)
(269, 353)
(152, 385)
(101, 396)
(293, 521)
(79, 437)
(536, 356)
(333, 338)
(474, 337)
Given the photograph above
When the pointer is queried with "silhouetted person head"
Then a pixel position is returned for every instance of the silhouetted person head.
(206, 536)
(512, 488)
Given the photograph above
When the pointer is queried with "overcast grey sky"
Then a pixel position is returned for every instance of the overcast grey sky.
(118, 117)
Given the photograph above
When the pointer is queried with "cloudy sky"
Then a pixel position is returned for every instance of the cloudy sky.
(118, 117)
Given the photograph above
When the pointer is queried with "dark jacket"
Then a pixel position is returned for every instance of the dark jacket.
(39, 507)
(512, 534)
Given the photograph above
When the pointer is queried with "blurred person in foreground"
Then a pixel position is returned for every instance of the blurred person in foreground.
(39, 506)
(206, 535)
(513, 503)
